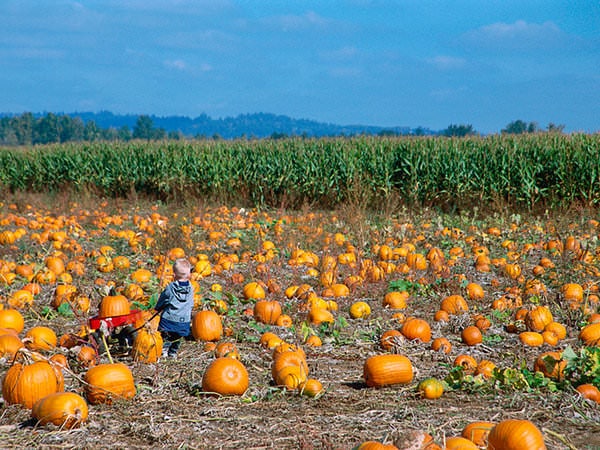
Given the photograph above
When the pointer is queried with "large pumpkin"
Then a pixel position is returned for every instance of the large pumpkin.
(207, 326)
(384, 370)
(225, 376)
(512, 434)
(25, 384)
(63, 409)
(108, 381)
(147, 346)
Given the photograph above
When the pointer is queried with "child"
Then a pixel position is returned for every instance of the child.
(175, 307)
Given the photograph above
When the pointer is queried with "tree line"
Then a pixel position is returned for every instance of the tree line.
(27, 129)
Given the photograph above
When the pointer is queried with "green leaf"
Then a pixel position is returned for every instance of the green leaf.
(64, 309)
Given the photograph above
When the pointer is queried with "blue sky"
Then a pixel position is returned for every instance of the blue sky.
(369, 62)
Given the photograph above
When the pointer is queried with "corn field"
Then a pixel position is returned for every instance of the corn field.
(528, 171)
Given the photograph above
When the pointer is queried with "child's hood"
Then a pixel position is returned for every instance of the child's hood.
(182, 289)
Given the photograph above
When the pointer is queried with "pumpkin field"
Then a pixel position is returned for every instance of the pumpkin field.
(355, 318)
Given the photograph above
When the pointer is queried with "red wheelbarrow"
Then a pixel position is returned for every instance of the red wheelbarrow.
(115, 329)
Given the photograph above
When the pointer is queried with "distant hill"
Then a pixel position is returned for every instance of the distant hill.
(259, 125)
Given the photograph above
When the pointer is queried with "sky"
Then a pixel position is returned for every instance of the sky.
(412, 63)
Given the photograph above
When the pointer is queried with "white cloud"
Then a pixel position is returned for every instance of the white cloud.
(176, 64)
(442, 62)
(295, 22)
(518, 35)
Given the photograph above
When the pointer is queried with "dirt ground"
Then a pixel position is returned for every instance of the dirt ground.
(170, 410)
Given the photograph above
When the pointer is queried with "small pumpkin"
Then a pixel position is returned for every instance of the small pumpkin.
(11, 318)
(538, 318)
(395, 299)
(416, 329)
(551, 364)
(253, 291)
(475, 291)
(311, 388)
(430, 388)
(9, 346)
(318, 315)
(441, 344)
(589, 391)
(467, 363)
(460, 443)
(471, 335)
(531, 338)
(360, 310)
(477, 432)
(63, 409)
(454, 304)
(590, 334)
(267, 311)
(40, 338)
(114, 305)
(513, 434)
(225, 376)
(105, 382)
(389, 369)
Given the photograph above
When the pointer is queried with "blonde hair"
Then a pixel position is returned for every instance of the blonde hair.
(182, 269)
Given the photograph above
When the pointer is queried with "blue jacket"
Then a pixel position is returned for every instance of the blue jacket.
(175, 304)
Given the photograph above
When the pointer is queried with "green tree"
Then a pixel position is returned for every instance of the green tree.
(520, 127)
(143, 128)
(46, 130)
(71, 129)
(23, 126)
(554, 128)
(459, 130)
(91, 132)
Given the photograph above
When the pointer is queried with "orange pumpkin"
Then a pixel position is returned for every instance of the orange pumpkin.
(63, 409)
(512, 434)
(40, 338)
(477, 432)
(114, 305)
(551, 364)
(460, 443)
(416, 329)
(106, 382)
(25, 384)
(454, 304)
(389, 369)
(538, 318)
(11, 318)
(441, 344)
(267, 311)
(471, 335)
(589, 334)
(466, 362)
(225, 376)
(395, 299)
(9, 346)
(589, 391)
(207, 326)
